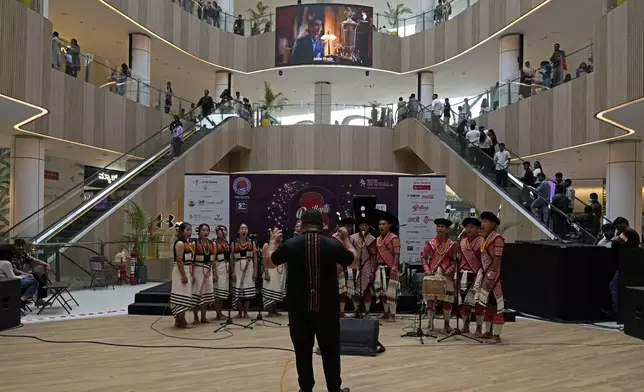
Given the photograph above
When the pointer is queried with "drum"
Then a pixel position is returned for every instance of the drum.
(435, 288)
(466, 286)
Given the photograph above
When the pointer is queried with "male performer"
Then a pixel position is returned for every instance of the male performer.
(387, 281)
(343, 282)
(488, 281)
(362, 278)
(439, 258)
(470, 254)
(313, 295)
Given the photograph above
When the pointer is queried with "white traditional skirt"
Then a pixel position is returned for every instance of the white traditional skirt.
(346, 283)
(487, 287)
(244, 288)
(221, 285)
(383, 286)
(181, 298)
(203, 290)
(274, 290)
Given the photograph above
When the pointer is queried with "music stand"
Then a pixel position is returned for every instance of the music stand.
(259, 317)
(229, 319)
(418, 332)
(456, 305)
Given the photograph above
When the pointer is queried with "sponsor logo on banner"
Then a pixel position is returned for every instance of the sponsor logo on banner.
(420, 207)
(192, 203)
(375, 184)
(427, 197)
(241, 186)
(424, 187)
(241, 206)
(426, 220)
(413, 219)
(381, 207)
(413, 196)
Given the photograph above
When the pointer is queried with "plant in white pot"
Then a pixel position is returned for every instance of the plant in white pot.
(142, 232)
(272, 102)
(395, 14)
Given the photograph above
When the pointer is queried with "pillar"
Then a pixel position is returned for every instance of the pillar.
(322, 103)
(45, 8)
(227, 17)
(223, 80)
(425, 88)
(624, 182)
(27, 181)
(139, 63)
(510, 62)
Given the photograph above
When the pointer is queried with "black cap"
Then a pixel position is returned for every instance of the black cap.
(347, 220)
(487, 215)
(312, 217)
(471, 221)
(443, 222)
(363, 219)
(384, 215)
(620, 220)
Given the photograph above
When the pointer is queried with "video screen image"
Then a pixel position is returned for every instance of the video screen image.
(323, 34)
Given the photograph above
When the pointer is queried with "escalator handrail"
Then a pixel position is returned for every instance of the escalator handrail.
(89, 180)
(63, 222)
(511, 177)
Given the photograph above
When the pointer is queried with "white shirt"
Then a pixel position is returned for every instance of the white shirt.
(6, 270)
(238, 102)
(437, 107)
(383, 29)
(502, 160)
(570, 193)
(473, 137)
(605, 243)
(487, 143)
(536, 171)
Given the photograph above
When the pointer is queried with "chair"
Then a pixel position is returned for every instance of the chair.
(56, 290)
(99, 268)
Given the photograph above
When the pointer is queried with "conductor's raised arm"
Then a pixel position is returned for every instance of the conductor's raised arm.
(274, 254)
(348, 256)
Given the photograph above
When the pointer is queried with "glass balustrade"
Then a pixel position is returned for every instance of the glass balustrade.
(339, 114)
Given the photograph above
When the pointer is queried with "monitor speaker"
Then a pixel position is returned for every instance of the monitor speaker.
(9, 303)
(360, 337)
(634, 311)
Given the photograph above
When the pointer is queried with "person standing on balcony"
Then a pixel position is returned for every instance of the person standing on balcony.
(121, 80)
(74, 52)
(238, 27)
(55, 51)
(169, 93)
(558, 60)
(495, 96)
(208, 13)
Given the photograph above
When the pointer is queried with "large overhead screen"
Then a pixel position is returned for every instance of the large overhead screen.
(323, 34)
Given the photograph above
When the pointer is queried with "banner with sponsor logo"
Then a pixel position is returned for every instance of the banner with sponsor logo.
(420, 201)
(265, 200)
(206, 199)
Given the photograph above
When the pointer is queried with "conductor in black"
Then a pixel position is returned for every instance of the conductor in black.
(313, 298)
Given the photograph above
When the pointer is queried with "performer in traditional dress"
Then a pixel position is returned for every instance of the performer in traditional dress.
(221, 274)
(274, 287)
(439, 258)
(469, 266)
(181, 300)
(343, 281)
(298, 227)
(203, 290)
(387, 281)
(488, 281)
(245, 267)
(362, 278)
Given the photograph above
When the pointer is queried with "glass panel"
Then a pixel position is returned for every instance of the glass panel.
(341, 114)
(408, 23)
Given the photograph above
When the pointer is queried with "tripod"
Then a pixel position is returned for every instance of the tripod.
(418, 324)
(259, 317)
(229, 319)
(456, 305)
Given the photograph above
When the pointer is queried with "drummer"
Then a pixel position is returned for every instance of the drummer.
(439, 259)
(469, 266)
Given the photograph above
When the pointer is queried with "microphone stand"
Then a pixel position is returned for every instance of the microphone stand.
(259, 317)
(229, 319)
(456, 306)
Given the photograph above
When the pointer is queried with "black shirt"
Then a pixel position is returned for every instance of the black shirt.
(312, 275)
(528, 177)
(206, 103)
(632, 239)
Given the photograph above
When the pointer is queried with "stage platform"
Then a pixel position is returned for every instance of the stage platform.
(535, 357)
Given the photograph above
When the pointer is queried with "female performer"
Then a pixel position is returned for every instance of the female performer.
(298, 228)
(181, 299)
(220, 275)
(245, 262)
(203, 289)
(274, 288)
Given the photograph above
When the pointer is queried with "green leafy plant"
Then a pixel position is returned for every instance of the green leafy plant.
(5, 175)
(142, 230)
(394, 14)
(258, 14)
(272, 102)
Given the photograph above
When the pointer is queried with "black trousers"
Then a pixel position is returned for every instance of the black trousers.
(304, 328)
(177, 145)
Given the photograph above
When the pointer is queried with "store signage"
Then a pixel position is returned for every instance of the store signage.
(108, 177)
(51, 175)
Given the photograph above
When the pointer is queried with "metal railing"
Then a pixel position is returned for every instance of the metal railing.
(380, 115)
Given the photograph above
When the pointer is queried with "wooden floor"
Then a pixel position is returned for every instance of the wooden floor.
(536, 356)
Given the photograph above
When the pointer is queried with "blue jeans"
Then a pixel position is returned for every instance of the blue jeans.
(614, 291)
(28, 287)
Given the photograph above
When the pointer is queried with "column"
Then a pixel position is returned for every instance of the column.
(322, 103)
(425, 19)
(223, 80)
(624, 181)
(138, 89)
(425, 88)
(510, 59)
(45, 8)
(27, 184)
(227, 17)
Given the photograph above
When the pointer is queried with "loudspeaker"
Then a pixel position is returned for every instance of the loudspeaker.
(359, 337)
(9, 303)
(634, 311)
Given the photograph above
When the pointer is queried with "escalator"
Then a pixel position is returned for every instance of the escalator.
(71, 215)
(473, 178)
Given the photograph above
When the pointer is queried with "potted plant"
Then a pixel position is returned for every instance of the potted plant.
(257, 17)
(272, 102)
(393, 15)
(5, 172)
(143, 232)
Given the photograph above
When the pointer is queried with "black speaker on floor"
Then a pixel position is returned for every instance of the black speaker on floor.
(359, 337)
(9, 303)
(633, 307)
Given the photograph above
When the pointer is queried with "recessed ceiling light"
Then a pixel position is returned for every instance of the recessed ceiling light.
(66, 13)
(119, 42)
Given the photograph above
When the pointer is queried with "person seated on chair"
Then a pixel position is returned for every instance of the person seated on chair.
(23, 261)
(28, 285)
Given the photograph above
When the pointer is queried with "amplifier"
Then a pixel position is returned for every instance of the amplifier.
(633, 306)
(9, 303)
(359, 337)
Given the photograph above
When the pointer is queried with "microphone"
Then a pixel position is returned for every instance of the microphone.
(362, 234)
